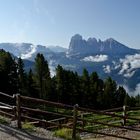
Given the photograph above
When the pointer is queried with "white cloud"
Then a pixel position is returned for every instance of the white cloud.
(135, 92)
(29, 54)
(129, 64)
(107, 69)
(129, 74)
(97, 58)
(52, 67)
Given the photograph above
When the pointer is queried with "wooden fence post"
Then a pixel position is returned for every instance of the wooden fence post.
(14, 107)
(74, 121)
(18, 110)
(124, 115)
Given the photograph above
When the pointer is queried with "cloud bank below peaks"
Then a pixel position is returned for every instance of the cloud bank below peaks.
(129, 64)
(96, 58)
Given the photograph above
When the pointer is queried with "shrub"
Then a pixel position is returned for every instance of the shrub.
(28, 126)
(66, 134)
(3, 120)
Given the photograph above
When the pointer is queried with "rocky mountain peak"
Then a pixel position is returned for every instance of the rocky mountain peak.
(91, 46)
(76, 37)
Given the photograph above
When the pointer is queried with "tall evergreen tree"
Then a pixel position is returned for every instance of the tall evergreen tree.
(94, 89)
(59, 82)
(120, 96)
(31, 86)
(85, 87)
(8, 73)
(110, 88)
(22, 78)
(42, 75)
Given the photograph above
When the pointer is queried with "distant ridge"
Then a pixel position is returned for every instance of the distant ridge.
(108, 58)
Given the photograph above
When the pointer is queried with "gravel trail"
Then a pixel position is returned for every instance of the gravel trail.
(11, 133)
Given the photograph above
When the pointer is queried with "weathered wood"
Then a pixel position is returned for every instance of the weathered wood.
(134, 108)
(124, 115)
(45, 112)
(7, 105)
(18, 110)
(113, 109)
(74, 121)
(110, 125)
(40, 120)
(59, 119)
(112, 114)
(47, 102)
(7, 114)
(7, 95)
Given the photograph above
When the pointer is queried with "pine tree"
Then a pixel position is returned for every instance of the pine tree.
(85, 87)
(59, 82)
(31, 86)
(8, 73)
(120, 96)
(110, 88)
(42, 75)
(94, 89)
(22, 78)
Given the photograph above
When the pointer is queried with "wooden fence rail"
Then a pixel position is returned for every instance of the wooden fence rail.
(20, 113)
(60, 105)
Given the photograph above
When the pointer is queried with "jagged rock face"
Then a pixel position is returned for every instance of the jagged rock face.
(77, 45)
(110, 46)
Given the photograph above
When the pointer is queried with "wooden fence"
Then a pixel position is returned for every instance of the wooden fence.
(27, 108)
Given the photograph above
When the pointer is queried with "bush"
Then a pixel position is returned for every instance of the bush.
(66, 134)
(28, 126)
(3, 120)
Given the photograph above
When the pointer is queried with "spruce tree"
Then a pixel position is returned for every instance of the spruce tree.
(22, 78)
(42, 75)
(8, 73)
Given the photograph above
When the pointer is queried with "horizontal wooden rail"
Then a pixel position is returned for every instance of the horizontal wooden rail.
(107, 117)
(110, 125)
(134, 108)
(40, 120)
(7, 95)
(113, 109)
(59, 119)
(46, 102)
(7, 105)
(132, 118)
(7, 114)
(44, 112)
(100, 112)
(5, 108)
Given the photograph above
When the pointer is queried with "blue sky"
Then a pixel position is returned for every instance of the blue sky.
(53, 22)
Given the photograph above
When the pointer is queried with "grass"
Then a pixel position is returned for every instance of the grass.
(109, 120)
(28, 126)
(65, 133)
(3, 120)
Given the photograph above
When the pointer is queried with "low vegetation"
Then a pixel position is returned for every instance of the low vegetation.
(3, 120)
(28, 126)
(66, 134)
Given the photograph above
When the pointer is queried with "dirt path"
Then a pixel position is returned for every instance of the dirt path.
(119, 132)
(10, 133)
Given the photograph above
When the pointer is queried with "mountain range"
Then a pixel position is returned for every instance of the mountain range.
(108, 58)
